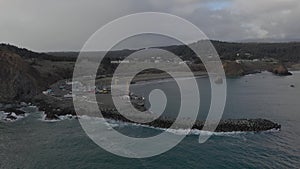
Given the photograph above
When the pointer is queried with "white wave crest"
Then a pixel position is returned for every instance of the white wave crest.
(11, 116)
(59, 118)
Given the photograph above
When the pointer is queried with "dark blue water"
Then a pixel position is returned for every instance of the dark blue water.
(32, 143)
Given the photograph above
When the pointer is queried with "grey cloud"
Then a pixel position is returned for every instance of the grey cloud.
(45, 25)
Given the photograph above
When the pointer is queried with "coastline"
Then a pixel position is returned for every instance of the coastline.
(54, 108)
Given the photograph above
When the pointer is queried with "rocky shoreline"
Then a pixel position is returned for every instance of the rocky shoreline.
(53, 109)
(12, 112)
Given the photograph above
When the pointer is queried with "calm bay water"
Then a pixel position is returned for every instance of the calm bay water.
(32, 143)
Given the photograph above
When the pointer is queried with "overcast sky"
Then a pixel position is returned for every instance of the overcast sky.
(56, 25)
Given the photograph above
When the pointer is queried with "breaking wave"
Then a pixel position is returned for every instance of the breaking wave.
(11, 116)
(59, 118)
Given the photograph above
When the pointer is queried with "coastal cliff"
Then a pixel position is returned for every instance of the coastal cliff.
(19, 81)
(22, 78)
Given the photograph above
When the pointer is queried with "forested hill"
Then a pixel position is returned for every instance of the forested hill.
(285, 52)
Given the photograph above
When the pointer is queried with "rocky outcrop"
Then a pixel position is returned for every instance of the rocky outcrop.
(22, 79)
(18, 79)
(54, 107)
(233, 69)
(280, 70)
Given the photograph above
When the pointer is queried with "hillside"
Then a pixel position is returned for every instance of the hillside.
(23, 77)
(28, 54)
(19, 81)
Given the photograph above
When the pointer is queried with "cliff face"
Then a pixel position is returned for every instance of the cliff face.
(25, 74)
(18, 79)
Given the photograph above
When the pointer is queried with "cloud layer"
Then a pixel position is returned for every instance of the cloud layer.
(46, 25)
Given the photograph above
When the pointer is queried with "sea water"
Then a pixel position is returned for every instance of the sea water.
(31, 142)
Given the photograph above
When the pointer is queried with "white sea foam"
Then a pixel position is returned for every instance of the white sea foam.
(115, 124)
(272, 131)
(60, 118)
(191, 131)
(4, 116)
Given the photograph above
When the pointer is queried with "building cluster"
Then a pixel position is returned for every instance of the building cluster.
(64, 89)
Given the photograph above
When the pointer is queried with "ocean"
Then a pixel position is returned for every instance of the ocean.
(32, 143)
